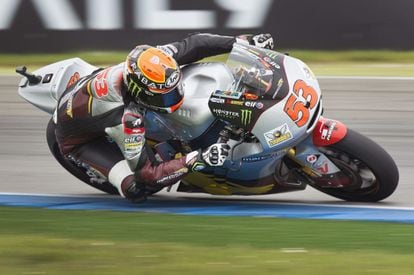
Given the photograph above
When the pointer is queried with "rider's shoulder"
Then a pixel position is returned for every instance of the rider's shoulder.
(107, 83)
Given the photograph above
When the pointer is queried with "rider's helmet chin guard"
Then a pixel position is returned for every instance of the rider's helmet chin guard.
(153, 79)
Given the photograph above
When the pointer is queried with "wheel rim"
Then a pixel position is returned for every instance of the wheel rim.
(363, 178)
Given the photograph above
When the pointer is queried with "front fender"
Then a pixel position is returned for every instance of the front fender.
(328, 131)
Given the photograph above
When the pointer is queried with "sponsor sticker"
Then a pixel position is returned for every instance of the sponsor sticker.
(250, 96)
(271, 62)
(198, 166)
(246, 116)
(226, 113)
(168, 49)
(217, 100)
(228, 94)
(160, 86)
(264, 157)
(327, 132)
(272, 54)
(69, 110)
(155, 60)
(133, 140)
(75, 77)
(134, 88)
(234, 102)
(95, 176)
(133, 124)
(256, 158)
(172, 80)
(252, 104)
(278, 135)
(323, 168)
(279, 86)
(133, 145)
(309, 74)
(100, 84)
(312, 158)
(173, 176)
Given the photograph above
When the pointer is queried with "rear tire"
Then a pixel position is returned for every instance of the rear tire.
(78, 172)
(373, 171)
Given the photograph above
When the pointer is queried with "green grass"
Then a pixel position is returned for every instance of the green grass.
(36, 241)
(359, 56)
(360, 63)
(97, 57)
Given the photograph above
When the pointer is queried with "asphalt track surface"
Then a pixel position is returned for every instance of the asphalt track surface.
(381, 108)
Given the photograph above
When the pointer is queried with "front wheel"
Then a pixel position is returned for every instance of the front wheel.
(371, 170)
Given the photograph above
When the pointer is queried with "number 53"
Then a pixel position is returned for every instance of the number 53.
(295, 106)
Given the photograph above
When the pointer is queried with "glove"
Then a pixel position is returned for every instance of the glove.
(134, 192)
(194, 162)
(215, 155)
(263, 40)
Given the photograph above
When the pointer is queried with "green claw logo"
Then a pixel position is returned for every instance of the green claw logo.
(272, 54)
(246, 117)
(134, 88)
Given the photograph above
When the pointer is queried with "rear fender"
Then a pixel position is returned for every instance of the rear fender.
(56, 78)
(328, 131)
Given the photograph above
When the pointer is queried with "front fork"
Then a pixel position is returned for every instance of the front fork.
(312, 161)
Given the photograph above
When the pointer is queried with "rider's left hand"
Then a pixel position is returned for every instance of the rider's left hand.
(264, 40)
(216, 154)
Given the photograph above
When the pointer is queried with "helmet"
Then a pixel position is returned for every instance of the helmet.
(153, 79)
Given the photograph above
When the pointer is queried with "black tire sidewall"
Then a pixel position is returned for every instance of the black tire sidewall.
(376, 159)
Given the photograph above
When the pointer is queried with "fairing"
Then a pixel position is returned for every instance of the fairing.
(56, 78)
(328, 132)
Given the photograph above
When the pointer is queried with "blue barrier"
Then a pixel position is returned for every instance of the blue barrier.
(212, 207)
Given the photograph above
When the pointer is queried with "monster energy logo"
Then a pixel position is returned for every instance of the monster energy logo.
(272, 54)
(246, 117)
(133, 87)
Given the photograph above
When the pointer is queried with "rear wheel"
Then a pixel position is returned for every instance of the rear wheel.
(78, 172)
(370, 172)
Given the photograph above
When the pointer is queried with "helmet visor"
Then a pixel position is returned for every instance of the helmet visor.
(164, 100)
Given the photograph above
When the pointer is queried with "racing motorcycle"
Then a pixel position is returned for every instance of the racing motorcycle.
(267, 106)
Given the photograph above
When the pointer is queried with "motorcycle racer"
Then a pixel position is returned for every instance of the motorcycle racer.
(100, 118)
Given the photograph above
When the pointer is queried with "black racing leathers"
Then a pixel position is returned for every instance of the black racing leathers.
(95, 107)
(198, 46)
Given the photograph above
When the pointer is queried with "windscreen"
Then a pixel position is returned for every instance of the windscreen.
(251, 73)
(259, 83)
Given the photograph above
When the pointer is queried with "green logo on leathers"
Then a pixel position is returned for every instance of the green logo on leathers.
(246, 117)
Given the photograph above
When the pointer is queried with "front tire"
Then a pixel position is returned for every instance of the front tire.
(373, 172)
